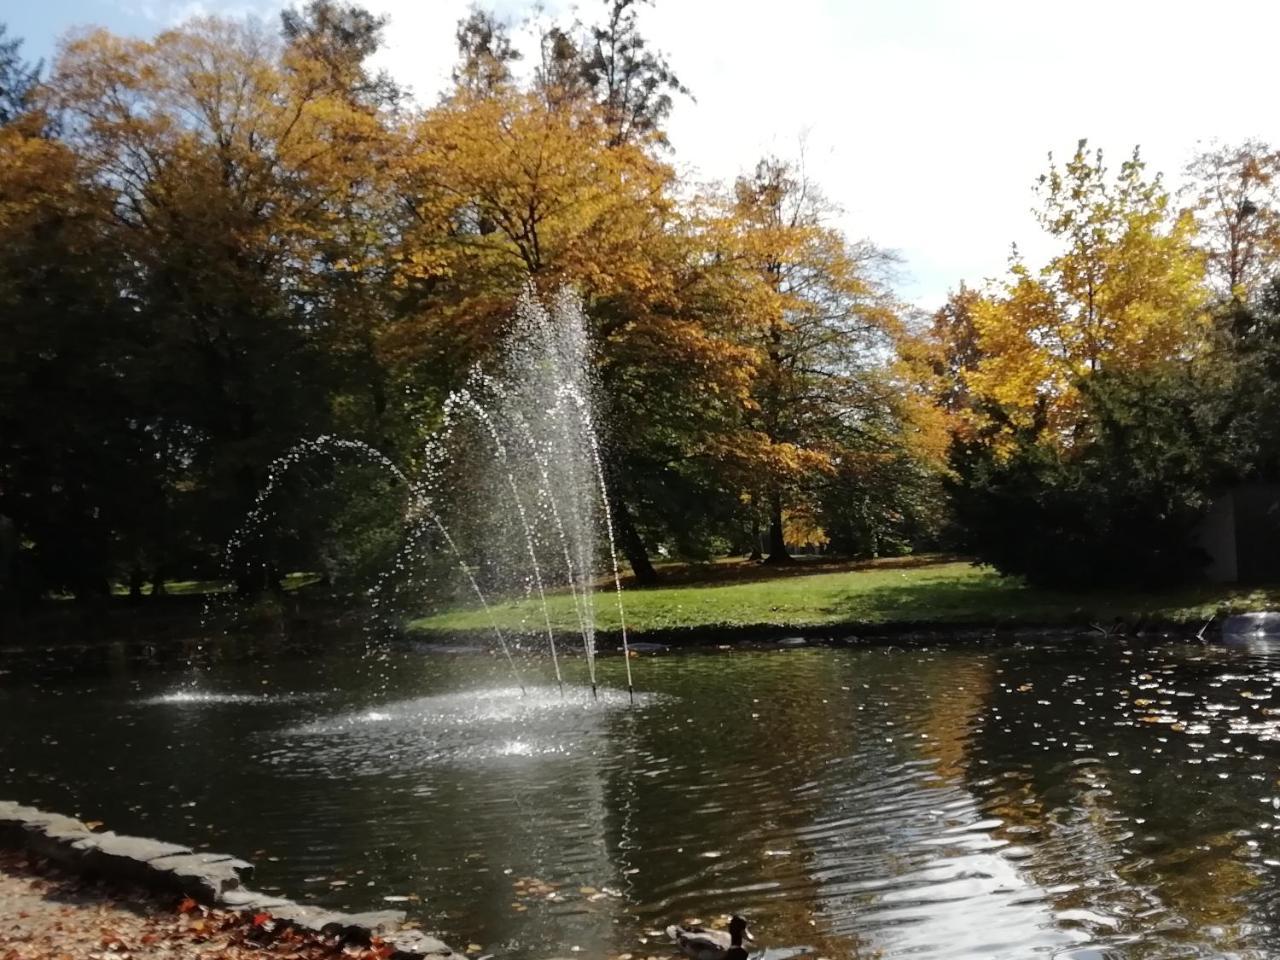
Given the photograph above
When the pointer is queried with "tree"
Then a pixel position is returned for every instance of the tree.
(334, 40)
(509, 184)
(1250, 356)
(1235, 193)
(957, 348)
(821, 322)
(247, 211)
(1103, 411)
(632, 83)
(1120, 506)
(76, 465)
(18, 78)
(1125, 294)
(485, 54)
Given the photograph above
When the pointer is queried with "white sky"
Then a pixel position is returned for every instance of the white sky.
(927, 121)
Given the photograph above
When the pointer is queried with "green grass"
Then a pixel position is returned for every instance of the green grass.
(924, 590)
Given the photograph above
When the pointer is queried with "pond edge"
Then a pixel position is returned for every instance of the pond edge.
(858, 633)
(212, 879)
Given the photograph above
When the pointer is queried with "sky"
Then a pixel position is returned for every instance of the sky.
(926, 121)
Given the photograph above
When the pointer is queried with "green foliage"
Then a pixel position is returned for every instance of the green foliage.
(1251, 344)
(18, 78)
(1119, 506)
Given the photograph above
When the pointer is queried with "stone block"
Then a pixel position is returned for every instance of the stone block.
(378, 922)
(305, 917)
(251, 900)
(116, 857)
(409, 944)
(205, 877)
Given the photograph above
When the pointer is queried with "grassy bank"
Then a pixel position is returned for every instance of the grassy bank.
(920, 590)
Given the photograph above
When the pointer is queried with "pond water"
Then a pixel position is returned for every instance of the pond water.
(1063, 798)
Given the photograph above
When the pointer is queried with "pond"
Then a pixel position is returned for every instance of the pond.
(1064, 797)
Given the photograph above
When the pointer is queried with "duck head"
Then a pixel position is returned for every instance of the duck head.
(738, 931)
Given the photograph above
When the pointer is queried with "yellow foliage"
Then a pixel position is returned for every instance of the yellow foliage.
(1126, 293)
(215, 132)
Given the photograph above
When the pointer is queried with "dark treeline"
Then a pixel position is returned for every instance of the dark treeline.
(232, 236)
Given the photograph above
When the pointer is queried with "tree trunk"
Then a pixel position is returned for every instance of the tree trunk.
(632, 546)
(8, 563)
(757, 541)
(136, 581)
(777, 535)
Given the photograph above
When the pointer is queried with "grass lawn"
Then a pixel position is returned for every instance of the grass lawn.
(916, 589)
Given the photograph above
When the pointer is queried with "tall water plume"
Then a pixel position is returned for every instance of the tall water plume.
(511, 495)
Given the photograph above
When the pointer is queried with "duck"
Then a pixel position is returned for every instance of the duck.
(699, 943)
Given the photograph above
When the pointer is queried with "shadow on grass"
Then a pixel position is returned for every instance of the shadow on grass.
(991, 599)
(688, 574)
(984, 599)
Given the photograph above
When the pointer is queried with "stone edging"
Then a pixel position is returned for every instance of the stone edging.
(213, 879)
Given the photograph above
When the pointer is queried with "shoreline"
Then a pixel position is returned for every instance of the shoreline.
(164, 882)
(854, 633)
(728, 602)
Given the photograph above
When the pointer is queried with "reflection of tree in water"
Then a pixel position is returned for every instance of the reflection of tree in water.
(853, 768)
(948, 889)
(1128, 776)
(723, 787)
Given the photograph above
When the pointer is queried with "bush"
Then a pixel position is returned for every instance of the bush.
(1115, 504)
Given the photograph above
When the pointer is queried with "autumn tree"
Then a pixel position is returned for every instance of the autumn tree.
(510, 182)
(1235, 195)
(248, 211)
(951, 348)
(1124, 293)
(1103, 419)
(485, 53)
(818, 316)
(229, 239)
(76, 461)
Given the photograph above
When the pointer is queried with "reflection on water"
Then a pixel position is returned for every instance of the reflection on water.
(461, 727)
(1066, 799)
(203, 697)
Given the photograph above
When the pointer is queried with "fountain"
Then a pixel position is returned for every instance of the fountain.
(526, 433)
